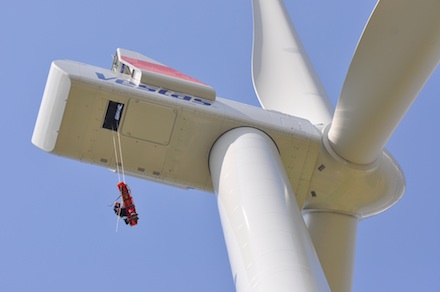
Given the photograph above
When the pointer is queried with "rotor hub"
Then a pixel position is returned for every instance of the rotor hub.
(359, 190)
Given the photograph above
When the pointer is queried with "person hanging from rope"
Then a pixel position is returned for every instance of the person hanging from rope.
(127, 211)
(121, 212)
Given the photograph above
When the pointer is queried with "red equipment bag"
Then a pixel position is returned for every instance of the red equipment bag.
(127, 202)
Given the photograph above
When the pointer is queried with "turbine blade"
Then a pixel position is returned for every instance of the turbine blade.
(334, 236)
(283, 76)
(398, 51)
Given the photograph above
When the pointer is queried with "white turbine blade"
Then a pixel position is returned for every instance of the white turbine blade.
(397, 53)
(268, 244)
(334, 237)
(283, 76)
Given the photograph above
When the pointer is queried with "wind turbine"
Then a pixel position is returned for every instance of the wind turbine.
(266, 166)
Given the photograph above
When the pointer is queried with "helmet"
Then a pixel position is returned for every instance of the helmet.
(117, 204)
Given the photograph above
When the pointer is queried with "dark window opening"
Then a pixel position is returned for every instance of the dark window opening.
(113, 116)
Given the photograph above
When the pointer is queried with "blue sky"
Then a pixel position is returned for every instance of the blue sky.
(57, 231)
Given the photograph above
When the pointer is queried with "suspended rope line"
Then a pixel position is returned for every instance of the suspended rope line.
(120, 170)
(119, 178)
(118, 218)
(112, 204)
(116, 157)
(120, 153)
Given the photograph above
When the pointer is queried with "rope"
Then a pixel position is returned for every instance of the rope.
(116, 158)
(112, 204)
(118, 219)
(119, 171)
(122, 160)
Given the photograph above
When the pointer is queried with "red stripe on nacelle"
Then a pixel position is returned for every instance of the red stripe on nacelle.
(141, 64)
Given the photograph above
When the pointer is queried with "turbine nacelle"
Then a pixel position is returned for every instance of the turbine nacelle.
(164, 132)
(166, 135)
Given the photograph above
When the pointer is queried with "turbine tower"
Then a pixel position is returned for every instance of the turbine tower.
(292, 178)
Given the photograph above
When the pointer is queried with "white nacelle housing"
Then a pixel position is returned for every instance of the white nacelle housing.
(166, 135)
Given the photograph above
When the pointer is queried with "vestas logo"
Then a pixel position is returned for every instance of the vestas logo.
(151, 88)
